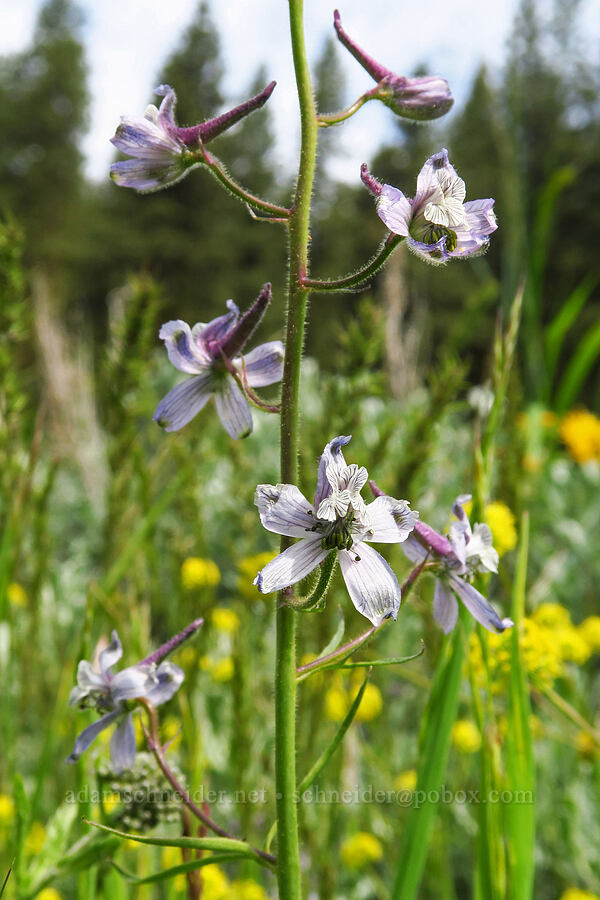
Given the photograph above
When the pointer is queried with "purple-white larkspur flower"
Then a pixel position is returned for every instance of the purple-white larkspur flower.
(423, 98)
(110, 694)
(162, 152)
(457, 558)
(340, 521)
(437, 224)
(210, 352)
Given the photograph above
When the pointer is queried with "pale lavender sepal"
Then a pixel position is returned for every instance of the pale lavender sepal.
(332, 459)
(166, 681)
(445, 607)
(148, 175)
(394, 209)
(88, 681)
(414, 550)
(233, 409)
(134, 681)
(111, 654)
(183, 402)
(478, 606)
(145, 139)
(389, 521)
(372, 585)
(263, 365)
(436, 254)
(122, 745)
(183, 348)
(283, 509)
(90, 733)
(291, 566)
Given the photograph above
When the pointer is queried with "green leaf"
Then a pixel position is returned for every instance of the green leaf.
(58, 830)
(181, 869)
(520, 766)
(580, 366)
(564, 320)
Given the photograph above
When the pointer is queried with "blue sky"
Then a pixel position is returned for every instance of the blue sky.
(127, 41)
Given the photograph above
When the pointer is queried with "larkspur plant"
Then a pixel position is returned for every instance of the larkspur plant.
(338, 525)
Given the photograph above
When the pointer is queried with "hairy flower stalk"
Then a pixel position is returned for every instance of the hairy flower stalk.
(337, 520)
(454, 560)
(211, 353)
(112, 694)
(436, 223)
(424, 98)
(162, 152)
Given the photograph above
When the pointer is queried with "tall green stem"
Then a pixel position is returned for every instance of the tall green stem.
(288, 868)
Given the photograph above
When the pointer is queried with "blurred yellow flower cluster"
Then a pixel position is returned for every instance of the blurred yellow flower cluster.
(406, 781)
(360, 850)
(340, 695)
(220, 670)
(198, 573)
(215, 884)
(48, 893)
(548, 640)
(16, 594)
(580, 431)
(466, 736)
(7, 809)
(225, 620)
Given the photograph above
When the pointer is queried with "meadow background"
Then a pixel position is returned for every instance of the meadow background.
(106, 522)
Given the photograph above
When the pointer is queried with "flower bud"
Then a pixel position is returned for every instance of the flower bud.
(421, 99)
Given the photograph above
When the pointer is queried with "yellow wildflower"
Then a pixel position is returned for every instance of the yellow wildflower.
(360, 850)
(586, 744)
(187, 657)
(222, 670)
(246, 889)
(48, 893)
(215, 885)
(502, 524)
(406, 781)
(573, 647)
(589, 630)
(370, 705)
(337, 703)
(551, 615)
(466, 736)
(16, 594)
(199, 573)
(574, 893)
(35, 839)
(580, 430)
(110, 801)
(7, 809)
(225, 620)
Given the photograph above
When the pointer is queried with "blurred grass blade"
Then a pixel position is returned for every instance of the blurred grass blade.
(336, 640)
(557, 329)
(181, 869)
(520, 766)
(434, 747)
(5, 882)
(580, 366)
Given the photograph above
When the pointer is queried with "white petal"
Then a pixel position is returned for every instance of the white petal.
(263, 365)
(122, 745)
(478, 606)
(111, 654)
(480, 549)
(331, 463)
(134, 681)
(182, 349)
(291, 566)
(183, 402)
(389, 521)
(233, 409)
(445, 607)
(283, 509)
(452, 185)
(394, 210)
(88, 680)
(373, 587)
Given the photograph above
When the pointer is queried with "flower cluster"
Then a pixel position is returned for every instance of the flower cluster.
(580, 430)
(338, 521)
